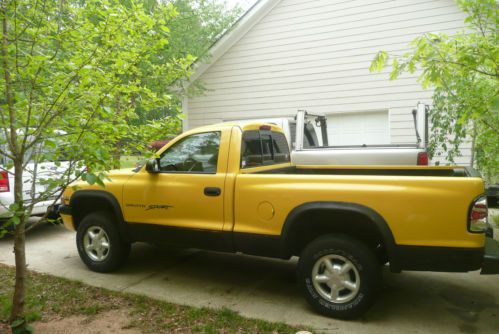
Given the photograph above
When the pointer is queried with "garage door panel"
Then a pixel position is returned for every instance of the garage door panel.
(369, 128)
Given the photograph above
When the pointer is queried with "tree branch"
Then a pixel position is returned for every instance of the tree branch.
(8, 85)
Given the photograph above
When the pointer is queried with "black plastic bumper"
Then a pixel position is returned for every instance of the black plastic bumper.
(490, 264)
(492, 196)
(65, 210)
(53, 211)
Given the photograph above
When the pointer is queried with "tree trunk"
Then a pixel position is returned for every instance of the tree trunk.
(117, 155)
(118, 145)
(20, 255)
(17, 312)
(473, 139)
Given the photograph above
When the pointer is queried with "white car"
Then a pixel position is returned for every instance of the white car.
(44, 171)
(49, 169)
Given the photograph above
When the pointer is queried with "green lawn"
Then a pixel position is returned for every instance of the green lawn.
(494, 218)
(130, 161)
(50, 297)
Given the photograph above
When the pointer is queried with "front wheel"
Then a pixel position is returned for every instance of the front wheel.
(99, 243)
(339, 276)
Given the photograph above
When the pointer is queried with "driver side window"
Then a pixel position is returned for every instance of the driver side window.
(196, 153)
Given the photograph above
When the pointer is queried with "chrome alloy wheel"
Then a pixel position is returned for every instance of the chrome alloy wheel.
(96, 243)
(335, 278)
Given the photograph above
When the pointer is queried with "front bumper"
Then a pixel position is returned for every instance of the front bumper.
(53, 211)
(66, 215)
(65, 209)
(490, 264)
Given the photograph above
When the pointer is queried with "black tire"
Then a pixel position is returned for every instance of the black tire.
(337, 251)
(117, 251)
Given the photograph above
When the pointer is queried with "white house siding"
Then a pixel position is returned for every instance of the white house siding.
(315, 55)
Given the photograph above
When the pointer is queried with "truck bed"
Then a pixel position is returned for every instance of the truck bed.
(375, 170)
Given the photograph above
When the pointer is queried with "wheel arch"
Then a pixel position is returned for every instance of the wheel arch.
(328, 215)
(84, 202)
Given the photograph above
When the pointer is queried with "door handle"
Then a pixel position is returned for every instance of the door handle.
(212, 191)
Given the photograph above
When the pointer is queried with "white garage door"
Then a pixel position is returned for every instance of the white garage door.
(369, 128)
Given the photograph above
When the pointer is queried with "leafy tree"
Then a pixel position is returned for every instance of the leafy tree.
(197, 25)
(463, 70)
(200, 23)
(70, 77)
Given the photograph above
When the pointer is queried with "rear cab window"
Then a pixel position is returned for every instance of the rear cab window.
(263, 148)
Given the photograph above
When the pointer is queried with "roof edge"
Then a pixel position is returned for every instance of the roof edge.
(258, 11)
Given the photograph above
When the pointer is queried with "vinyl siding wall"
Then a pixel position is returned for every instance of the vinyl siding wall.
(315, 55)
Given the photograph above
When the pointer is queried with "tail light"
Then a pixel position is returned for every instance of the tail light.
(4, 181)
(478, 215)
(423, 159)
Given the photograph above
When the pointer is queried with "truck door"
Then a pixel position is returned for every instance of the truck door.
(188, 190)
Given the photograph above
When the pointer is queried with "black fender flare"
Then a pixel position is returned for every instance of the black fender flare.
(80, 206)
(372, 215)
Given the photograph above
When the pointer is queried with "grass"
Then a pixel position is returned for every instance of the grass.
(50, 297)
(495, 220)
(130, 161)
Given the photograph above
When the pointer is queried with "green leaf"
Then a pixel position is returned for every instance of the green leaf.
(91, 178)
(15, 220)
(379, 61)
(50, 143)
(20, 326)
(100, 182)
(396, 69)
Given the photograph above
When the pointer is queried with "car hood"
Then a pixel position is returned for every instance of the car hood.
(113, 183)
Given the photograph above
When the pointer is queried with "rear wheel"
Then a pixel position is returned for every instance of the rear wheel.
(339, 276)
(99, 243)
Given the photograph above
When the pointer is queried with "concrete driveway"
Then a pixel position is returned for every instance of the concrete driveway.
(411, 302)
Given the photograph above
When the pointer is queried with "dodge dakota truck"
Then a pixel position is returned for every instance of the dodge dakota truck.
(231, 187)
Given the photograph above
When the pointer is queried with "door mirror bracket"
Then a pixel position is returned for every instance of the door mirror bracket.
(152, 166)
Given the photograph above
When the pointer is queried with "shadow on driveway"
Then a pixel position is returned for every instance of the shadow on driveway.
(412, 302)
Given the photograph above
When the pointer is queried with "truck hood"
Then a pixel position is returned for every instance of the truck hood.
(116, 179)
(120, 173)
(114, 176)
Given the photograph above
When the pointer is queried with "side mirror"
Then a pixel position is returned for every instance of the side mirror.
(152, 166)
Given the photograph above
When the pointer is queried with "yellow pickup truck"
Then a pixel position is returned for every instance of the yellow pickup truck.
(231, 187)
